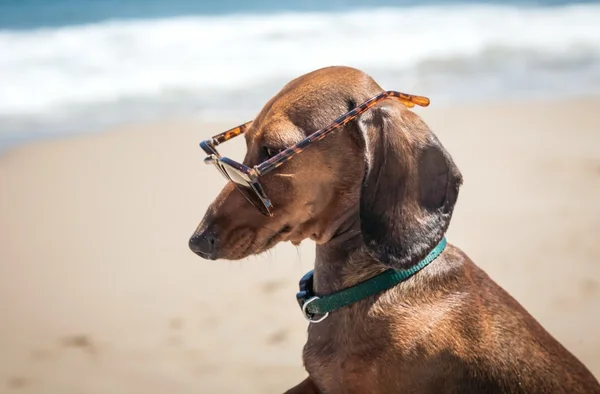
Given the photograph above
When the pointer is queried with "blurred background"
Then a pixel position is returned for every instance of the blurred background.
(69, 65)
(102, 107)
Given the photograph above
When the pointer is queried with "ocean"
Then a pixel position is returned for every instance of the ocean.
(72, 66)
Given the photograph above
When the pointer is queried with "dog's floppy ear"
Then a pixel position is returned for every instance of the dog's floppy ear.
(410, 187)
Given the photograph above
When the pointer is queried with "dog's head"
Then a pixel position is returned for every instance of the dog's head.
(385, 168)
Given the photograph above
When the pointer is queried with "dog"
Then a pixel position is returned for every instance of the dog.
(375, 189)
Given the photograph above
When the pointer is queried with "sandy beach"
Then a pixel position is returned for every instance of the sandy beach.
(100, 294)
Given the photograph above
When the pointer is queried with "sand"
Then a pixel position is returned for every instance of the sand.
(99, 292)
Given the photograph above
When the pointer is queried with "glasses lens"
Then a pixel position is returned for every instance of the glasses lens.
(244, 185)
(222, 170)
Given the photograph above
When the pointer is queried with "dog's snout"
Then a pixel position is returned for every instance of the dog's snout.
(205, 244)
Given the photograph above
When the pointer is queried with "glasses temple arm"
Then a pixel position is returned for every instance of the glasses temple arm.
(229, 134)
(408, 100)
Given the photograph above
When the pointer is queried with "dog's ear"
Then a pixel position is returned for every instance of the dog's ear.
(410, 186)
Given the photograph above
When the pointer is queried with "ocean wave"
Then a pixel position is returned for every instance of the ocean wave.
(221, 62)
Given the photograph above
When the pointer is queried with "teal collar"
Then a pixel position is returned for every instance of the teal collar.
(317, 308)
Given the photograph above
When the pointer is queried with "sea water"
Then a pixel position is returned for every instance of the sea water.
(69, 66)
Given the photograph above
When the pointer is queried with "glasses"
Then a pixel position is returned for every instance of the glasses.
(246, 179)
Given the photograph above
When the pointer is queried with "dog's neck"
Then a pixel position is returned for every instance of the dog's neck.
(342, 254)
(344, 261)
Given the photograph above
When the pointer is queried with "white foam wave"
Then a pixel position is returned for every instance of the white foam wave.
(58, 69)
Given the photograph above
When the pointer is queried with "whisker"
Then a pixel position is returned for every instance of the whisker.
(269, 256)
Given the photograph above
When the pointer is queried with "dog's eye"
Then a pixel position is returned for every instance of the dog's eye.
(270, 152)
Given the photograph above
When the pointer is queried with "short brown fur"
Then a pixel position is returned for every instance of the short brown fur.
(379, 193)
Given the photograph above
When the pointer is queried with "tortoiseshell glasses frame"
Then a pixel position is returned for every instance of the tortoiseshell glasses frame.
(246, 179)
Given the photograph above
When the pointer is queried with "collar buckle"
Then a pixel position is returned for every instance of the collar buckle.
(310, 316)
(305, 296)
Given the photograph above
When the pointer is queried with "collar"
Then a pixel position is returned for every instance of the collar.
(317, 308)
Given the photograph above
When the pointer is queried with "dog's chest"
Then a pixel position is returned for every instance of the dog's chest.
(345, 374)
(340, 360)
(342, 373)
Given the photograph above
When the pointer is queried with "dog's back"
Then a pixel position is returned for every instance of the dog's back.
(510, 352)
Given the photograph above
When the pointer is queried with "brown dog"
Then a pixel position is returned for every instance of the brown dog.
(378, 193)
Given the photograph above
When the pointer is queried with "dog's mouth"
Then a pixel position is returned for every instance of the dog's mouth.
(275, 238)
(246, 244)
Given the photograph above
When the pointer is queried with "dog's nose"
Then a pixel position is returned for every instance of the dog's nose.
(204, 244)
